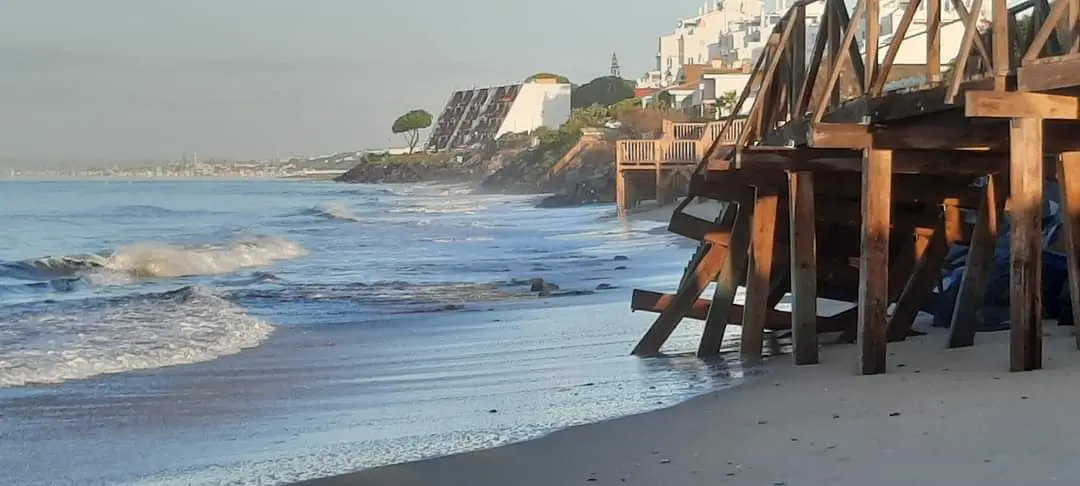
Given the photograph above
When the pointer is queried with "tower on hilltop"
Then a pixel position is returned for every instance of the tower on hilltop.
(615, 71)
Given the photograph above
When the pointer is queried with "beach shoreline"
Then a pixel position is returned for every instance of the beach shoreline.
(937, 417)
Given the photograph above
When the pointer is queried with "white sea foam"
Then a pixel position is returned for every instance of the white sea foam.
(78, 339)
(165, 260)
(338, 211)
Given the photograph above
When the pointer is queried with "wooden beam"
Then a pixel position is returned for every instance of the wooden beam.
(969, 37)
(1025, 297)
(920, 286)
(1046, 28)
(1017, 104)
(872, 37)
(703, 272)
(933, 41)
(1050, 73)
(839, 135)
(874, 261)
(980, 262)
(797, 81)
(758, 276)
(727, 283)
(803, 234)
(839, 57)
(1068, 176)
(894, 46)
(1000, 47)
(648, 301)
(905, 162)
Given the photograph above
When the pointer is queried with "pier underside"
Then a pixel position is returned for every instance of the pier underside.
(860, 200)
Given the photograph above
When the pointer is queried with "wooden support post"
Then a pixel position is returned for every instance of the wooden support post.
(1068, 177)
(873, 32)
(661, 186)
(1000, 47)
(1025, 297)
(921, 284)
(933, 41)
(835, 32)
(758, 276)
(727, 283)
(954, 222)
(980, 260)
(803, 267)
(874, 260)
(622, 192)
(797, 67)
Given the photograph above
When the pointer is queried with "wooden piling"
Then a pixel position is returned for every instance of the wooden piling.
(1025, 297)
(759, 274)
(803, 234)
(874, 260)
(1068, 176)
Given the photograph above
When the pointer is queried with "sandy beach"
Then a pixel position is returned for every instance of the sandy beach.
(948, 417)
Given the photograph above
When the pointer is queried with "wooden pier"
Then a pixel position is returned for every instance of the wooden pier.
(660, 169)
(874, 186)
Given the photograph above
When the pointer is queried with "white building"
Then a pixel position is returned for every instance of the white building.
(485, 114)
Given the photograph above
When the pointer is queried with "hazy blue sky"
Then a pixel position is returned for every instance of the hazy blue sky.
(136, 79)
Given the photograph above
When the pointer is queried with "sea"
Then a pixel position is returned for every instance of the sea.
(260, 332)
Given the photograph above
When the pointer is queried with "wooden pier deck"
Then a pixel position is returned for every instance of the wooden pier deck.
(873, 186)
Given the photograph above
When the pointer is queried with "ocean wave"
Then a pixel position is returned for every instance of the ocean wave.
(337, 211)
(153, 259)
(79, 339)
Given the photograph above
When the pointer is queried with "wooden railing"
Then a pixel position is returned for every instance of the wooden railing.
(682, 143)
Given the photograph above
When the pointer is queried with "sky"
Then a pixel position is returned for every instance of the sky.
(133, 80)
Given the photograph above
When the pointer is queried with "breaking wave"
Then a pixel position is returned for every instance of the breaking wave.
(80, 339)
(337, 211)
(153, 259)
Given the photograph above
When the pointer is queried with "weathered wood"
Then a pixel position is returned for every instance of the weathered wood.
(874, 261)
(648, 301)
(839, 57)
(980, 261)
(704, 272)
(1038, 43)
(920, 286)
(933, 41)
(803, 266)
(894, 46)
(758, 276)
(1016, 104)
(1068, 176)
(1025, 297)
(906, 162)
(953, 219)
(965, 48)
(727, 283)
(797, 80)
(871, 39)
(1050, 73)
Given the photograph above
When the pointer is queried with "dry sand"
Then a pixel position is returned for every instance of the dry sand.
(939, 417)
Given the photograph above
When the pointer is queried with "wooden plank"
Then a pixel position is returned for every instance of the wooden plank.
(874, 261)
(839, 135)
(727, 283)
(648, 301)
(957, 132)
(1025, 296)
(758, 276)
(1000, 47)
(1068, 176)
(920, 286)
(1050, 73)
(803, 234)
(953, 220)
(980, 261)
(806, 94)
(1017, 104)
(705, 272)
(894, 46)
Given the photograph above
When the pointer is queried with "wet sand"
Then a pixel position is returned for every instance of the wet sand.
(954, 417)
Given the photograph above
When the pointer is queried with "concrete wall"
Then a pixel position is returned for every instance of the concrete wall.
(537, 105)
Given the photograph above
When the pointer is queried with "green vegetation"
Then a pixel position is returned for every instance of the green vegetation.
(604, 91)
(726, 102)
(410, 124)
(557, 77)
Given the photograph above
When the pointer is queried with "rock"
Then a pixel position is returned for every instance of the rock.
(605, 286)
(620, 268)
(621, 258)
